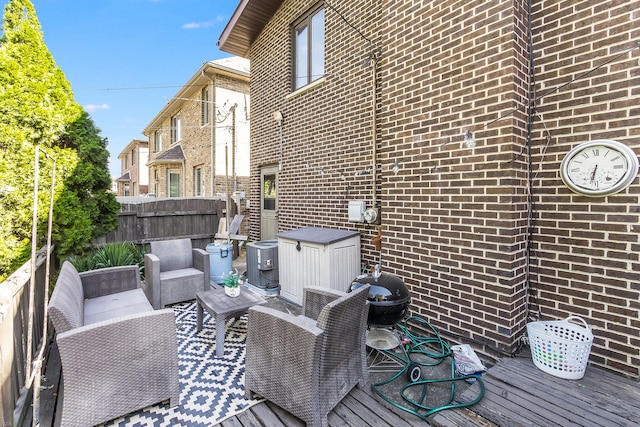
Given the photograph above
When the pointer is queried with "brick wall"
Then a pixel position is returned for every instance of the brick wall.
(586, 250)
(457, 220)
(326, 130)
(456, 216)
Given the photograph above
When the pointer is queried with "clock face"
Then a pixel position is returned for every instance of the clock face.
(598, 168)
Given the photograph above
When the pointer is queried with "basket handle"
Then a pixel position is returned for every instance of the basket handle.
(586, 326)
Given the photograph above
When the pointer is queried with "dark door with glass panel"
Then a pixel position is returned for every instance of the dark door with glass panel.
(269, 203)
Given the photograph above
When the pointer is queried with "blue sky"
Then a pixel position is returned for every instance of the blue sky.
(126, 58)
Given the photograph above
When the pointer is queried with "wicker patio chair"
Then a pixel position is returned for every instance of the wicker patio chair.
(307, 364)
(175, 272)
(117, 353)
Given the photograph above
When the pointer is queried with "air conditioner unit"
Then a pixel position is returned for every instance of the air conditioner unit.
(262, 264)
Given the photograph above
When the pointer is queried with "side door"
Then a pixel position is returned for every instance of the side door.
(269, 202)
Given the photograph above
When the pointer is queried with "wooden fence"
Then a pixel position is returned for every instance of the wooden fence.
(162, 219)
(14, 321)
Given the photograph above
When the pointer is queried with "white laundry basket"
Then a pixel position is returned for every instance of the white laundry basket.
(560, 348)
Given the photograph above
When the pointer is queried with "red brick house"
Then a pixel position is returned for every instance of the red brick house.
(451, 121)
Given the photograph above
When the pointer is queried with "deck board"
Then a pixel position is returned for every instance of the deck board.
(520, 395)
(384, 411)
(568, 400)
(267, 416)
(50, 385)
(286, 417)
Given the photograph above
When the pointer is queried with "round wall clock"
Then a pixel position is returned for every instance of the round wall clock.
(599, 168)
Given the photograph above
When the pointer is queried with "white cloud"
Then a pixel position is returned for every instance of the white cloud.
(197, 25)
(90, 108)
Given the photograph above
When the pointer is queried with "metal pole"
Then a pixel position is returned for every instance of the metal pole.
(226, 185)
(34, 230)
(43, 345)
(234, 147)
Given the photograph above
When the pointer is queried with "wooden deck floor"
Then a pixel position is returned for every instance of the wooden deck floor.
(359, 408)
(517, 395)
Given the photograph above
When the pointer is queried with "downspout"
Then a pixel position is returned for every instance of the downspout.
(184, 181)
(531, 115)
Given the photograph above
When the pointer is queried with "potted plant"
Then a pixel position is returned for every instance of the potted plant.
(232, 282)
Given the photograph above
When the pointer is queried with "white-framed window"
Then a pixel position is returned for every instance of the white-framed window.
(308, 38)
(157, 139)
(176, 128)
(204, 106)
(198, 187)
(174, 183)
(133, 157)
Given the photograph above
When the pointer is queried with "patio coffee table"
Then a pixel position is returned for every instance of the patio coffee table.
(221, 307)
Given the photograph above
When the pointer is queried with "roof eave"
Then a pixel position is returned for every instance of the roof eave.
(246, 23)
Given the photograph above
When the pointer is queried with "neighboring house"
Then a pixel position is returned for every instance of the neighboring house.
(420, 109)
(134, 177)
(200, 139)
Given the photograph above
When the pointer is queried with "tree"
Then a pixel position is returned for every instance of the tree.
(86, 209)
(38, 109)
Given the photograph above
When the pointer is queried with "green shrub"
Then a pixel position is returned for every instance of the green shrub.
(82, 262)
(111, 255)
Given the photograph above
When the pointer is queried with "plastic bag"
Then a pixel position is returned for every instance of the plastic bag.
(467, 362)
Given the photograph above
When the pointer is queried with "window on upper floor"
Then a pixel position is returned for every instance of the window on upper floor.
(176, 128)
(133, 157)
(157, 140)
(308, 39)
(204, 106)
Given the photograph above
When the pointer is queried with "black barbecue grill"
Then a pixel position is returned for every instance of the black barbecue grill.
(388, 299)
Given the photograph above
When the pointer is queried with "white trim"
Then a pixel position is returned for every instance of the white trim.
(305, 88)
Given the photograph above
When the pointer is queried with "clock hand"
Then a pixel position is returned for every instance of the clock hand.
(593, 174)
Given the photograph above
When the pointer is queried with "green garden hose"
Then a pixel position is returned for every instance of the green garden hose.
(420, 345)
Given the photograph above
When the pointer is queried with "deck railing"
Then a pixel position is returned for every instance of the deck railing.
(14, 323)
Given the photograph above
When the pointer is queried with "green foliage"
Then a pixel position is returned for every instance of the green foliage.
(36, 102)
(82, 262)
(39, 114)
(233, 279)
(112, 255)
(86, 209)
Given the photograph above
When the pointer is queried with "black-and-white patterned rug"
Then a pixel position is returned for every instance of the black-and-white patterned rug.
(211, 388)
